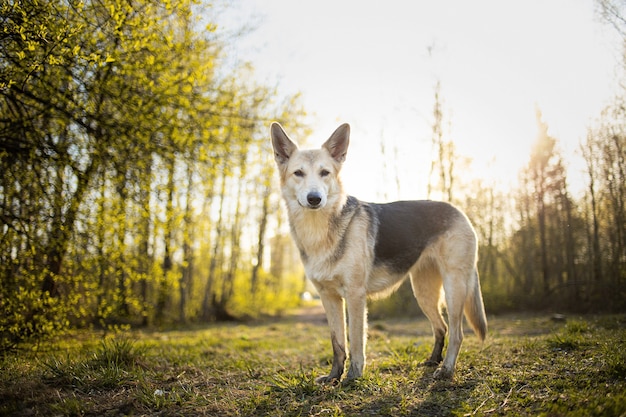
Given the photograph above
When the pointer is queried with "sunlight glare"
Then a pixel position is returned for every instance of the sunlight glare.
(375, 65)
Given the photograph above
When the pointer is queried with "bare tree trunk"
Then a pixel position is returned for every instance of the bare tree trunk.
(144, 257)
(543, 243)
(168, 237)
(122, 276)
(254, 279)
(570, 247)
(596, 259)
(618, 196)
(436, 138)
(102, 259)
(208, 302)
(63, 226)
(185, 280)
(229, 279)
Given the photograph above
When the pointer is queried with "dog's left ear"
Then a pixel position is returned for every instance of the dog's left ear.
(283, 146)
(337, 144)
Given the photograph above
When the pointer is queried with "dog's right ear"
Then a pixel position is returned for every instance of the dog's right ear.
(337, 144)
(283, 146)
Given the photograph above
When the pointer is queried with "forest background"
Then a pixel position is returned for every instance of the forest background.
(138, 185)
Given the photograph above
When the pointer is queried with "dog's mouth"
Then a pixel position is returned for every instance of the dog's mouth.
(310, 206)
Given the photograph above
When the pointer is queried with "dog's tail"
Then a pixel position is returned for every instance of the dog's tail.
(475, 309)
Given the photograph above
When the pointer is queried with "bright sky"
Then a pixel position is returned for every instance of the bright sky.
(368, 63)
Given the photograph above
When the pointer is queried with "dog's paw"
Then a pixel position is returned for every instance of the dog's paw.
(327, 379)
(443, 374)
(354, 372)
(430, 363)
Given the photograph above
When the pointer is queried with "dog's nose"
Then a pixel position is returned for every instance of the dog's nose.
(314, 199)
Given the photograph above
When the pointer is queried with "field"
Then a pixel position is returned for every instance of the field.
(529, 365)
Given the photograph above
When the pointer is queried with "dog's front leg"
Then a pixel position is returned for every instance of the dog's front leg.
(357, 317)
(333, 305)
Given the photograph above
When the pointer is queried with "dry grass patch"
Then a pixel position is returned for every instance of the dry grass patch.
(528, 366)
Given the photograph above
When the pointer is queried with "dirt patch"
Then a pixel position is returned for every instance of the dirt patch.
(312, 313)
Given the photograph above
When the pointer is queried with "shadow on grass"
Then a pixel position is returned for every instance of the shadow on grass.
(380, 394)
(425, 397)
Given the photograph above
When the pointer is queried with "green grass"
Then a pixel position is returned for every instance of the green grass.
(528, 366)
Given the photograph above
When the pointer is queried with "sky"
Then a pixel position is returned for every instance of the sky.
(375, 64)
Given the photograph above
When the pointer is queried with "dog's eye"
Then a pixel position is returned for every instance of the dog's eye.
(299, 173)
(324, 173)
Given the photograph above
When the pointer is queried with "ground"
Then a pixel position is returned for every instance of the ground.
(529, 365)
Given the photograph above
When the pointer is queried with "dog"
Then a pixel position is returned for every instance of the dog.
(352, 250)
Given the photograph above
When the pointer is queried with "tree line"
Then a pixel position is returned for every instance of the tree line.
(563, 251)
(540, 246)
(138, 187)
(134, 167)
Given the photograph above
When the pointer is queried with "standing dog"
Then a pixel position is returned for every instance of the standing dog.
(353, 249)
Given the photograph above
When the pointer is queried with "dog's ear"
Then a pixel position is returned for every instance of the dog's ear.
(283, 146)
(337, 144)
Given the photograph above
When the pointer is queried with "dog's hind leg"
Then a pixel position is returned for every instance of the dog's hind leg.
(455, 288)
(427, 284)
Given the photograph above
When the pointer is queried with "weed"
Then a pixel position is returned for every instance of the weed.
(110, 366)
(615, 362)
(577, 327)
(560, 342)
(161, 399)
(70, 406)
(119, 353)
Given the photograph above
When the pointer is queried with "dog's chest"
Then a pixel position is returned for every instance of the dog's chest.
(334, 245)
(348, 255)
(319, 269)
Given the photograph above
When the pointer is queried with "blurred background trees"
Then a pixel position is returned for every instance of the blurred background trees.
(133, 164)
(540, 246)
(138, 186)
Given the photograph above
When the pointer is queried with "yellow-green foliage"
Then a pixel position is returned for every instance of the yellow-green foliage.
(274, 295)
(123, 132)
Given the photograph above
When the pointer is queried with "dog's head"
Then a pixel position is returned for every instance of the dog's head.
(310, 178)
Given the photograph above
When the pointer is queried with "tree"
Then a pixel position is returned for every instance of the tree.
(548, 229)
(605, 155)
(105, 108)
(441, 176)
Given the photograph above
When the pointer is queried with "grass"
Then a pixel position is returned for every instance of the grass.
(528, 366)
